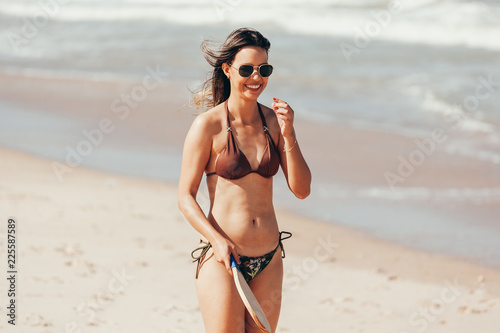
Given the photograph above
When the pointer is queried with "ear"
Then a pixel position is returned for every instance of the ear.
(225, 69)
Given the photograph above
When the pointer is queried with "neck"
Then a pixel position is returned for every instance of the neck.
(243, 111)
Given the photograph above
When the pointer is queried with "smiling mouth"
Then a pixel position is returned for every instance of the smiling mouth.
(253, 86)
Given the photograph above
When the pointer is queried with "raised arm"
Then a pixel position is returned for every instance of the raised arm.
(195, 156)
(295, 168)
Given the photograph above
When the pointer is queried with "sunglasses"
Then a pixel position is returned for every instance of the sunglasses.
(264, 70)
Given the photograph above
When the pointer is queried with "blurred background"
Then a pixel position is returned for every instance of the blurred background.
(397, 102)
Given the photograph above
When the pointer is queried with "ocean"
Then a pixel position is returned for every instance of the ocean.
(397, 101)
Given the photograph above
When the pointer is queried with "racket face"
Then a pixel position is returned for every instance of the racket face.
(248, 298)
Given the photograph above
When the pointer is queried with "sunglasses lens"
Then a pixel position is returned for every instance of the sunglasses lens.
(266, 70)
(246, 70)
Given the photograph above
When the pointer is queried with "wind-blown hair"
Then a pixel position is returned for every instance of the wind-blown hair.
(216, 88)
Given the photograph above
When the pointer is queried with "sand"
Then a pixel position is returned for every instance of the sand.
(100, 252)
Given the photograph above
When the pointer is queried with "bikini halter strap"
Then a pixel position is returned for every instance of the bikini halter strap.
(264, 123)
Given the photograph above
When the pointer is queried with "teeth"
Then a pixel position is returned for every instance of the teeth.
(253, 86)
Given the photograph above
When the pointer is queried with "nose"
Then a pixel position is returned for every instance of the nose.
(256, 73)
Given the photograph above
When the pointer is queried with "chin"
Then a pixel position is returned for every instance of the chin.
(253, 93)
(251, 97)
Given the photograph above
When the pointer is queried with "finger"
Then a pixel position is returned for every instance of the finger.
(285, 116)
(236, 256)
(283, 112)
(280, 106)
(279, 101)
(227, 263)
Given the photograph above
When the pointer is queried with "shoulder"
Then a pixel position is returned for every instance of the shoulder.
(209, 123)
(272, 123)
(271, 119)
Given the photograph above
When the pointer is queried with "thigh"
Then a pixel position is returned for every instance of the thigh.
(221, 306)
(267, 288)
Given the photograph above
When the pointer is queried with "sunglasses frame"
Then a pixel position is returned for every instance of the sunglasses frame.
(253, 67)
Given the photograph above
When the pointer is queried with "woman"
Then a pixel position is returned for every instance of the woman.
(240, 144)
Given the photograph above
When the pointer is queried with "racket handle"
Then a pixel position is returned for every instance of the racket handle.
(233, 262)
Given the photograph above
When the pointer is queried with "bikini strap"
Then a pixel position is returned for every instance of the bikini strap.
(204, 249)
(282, 238)
(264, 124)
(228, 123)
(266, 130)
(231, 142)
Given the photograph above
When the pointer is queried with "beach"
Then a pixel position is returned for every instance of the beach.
(447, 203)
(396, 113)
(396, 102)
(101, 252)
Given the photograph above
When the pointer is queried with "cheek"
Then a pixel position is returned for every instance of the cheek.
(238, 82)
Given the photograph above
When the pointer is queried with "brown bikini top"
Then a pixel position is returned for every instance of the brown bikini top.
(233, 164)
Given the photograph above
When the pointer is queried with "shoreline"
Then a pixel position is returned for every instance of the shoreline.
(348, 166)
(399, 234)
(391, 258)
(78, 234)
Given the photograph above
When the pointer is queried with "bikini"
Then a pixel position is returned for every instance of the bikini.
(232, 163)
(249, 266)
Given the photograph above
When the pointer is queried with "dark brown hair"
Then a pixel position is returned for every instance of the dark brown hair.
(216, 88)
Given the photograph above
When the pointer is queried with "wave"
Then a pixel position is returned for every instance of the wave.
(430, 22)
(466, 148)
(69, 74)
(478, 195)
(465, 121)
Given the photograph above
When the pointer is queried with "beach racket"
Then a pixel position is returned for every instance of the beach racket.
(249, 299)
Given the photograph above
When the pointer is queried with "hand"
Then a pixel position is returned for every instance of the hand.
(285, 117)
(223, 248)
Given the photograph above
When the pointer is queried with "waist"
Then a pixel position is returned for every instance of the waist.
(243, 211)
(252, 235)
